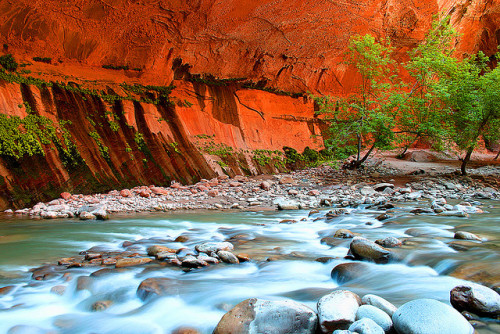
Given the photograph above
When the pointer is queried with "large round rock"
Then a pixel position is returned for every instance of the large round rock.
(254, 316)
(378, 316)
(337, 310)
(477, 299)
(346, 272)
(365, 249)
(422, 316)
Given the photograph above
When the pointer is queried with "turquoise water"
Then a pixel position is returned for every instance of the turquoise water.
(202, 296)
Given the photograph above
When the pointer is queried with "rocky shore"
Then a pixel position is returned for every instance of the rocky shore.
(306, 189)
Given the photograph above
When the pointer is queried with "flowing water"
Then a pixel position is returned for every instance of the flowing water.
(204, 295)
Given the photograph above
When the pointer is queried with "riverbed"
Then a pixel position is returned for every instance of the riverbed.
(283, 265)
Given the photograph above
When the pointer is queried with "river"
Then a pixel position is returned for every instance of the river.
(204, 295)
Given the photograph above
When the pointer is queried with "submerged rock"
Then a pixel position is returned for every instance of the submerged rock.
(129, 262)
(466, 236)
(155, 287)
(348, 271)
(477, 299)
(344, 234)
(337, 310)
(255, 316)
(430, 316)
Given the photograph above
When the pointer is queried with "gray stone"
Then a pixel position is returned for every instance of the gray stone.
(253, 316)
(155, 287)
(366, 326)
(86, 216)
(228, 257)
(365, 249)
(379, 303)
(344, 234)
(423, 316)
(383, 186)
(211, 247)
(381, 318)
(389, 242)
(477, 299)
(337, 310)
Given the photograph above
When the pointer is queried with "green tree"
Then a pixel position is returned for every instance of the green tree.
(366, 118)
(465, 92)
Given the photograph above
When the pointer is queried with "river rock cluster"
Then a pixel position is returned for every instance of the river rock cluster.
(343, 312)
(311, 188)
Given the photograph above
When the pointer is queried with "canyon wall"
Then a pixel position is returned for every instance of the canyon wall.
(241, 71)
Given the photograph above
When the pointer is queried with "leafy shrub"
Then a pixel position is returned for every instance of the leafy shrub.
(8, 62)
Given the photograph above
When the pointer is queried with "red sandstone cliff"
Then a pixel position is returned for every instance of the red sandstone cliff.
(288, 46)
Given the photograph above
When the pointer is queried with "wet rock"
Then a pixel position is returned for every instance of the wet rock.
(58, 290)
(155, 287)
(49, 215)
(383, 216)
(348, 271)
(428, 232)
(84, 283)
(129, 262)
(154, 250)
(46, 272)
(365, 249)
(381, 318)
(331, 241)
(379, 303)
(228, 257)
(181, 238)
(107, 271)
(337, 310)
(324, 259)
(429, 316)
(243, 257)
(477, 299)
(213, 247)
(288, 206)
(389, 242)
(418, 211)
(166, 256)
(6, 290)
(288, 221)
(454, 214)
(366, 326)
(462, 245)
(263, 316)
(26, 329)
(367, 190)
(101, 305)
(101, 213)
(192, 262)
(185, 330)
(466, 236)
(343, 233)
(342, 331)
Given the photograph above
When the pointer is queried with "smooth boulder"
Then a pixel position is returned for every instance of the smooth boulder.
(348, 271)
(381, 318)
(379, 303)
(366, 326)
(477, 299)
(214, 247)
(422, 316)
(337, 310)
(364, 249)
(254, 316)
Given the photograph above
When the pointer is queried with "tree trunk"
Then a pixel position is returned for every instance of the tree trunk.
(402, 154)
(358, 163)
(466, 160)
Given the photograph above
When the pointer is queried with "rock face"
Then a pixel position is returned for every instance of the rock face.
(255, 316)
(337, 310)
(477, 299)
(172, 42)
(429, 316)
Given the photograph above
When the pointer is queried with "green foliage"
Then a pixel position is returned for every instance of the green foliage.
(265, 157)
(103, 149)
(365, 118)
(46, 60)
(175, 146)
(21, 137)
(8, 62)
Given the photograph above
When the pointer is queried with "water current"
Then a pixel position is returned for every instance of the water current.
(202, 296)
